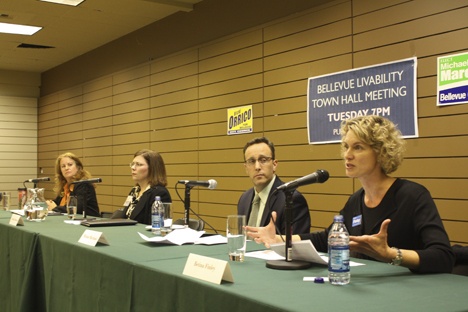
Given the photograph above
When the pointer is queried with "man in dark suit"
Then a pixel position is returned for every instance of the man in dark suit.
(258, 202)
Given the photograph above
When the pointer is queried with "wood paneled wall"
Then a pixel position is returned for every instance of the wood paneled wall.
(178, 105)
(18, 130)
(18, 142)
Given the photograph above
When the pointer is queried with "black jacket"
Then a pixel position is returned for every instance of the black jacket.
(86, 195)
(142, 211)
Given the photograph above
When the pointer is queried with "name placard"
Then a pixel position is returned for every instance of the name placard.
(16, 220)
(91, 238)
(208, 269)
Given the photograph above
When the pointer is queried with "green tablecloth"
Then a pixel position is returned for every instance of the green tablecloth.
(44, 268)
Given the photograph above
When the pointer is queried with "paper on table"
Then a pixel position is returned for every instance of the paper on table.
(264, 254)
(17, 211)
(177, 237)
(211, 240)
(301, 250)
(304, 250)
(75, 222)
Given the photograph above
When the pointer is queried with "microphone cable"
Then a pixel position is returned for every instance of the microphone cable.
(191, 210)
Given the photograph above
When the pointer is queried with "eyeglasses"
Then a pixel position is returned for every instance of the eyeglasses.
(135, 164)
(262, 161)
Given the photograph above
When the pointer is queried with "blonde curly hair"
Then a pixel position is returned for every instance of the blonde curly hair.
(381, 135)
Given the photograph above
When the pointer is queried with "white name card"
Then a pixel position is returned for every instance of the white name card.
(91, 238)
(208, 269)
(16, 219)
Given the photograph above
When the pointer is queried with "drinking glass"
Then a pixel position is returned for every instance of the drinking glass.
(236, 237)
(72, 205)
(167, 217)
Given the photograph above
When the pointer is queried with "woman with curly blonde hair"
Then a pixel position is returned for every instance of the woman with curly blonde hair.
(69, 168)
(389, 219)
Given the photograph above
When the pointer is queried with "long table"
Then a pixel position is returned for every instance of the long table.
(44, 268)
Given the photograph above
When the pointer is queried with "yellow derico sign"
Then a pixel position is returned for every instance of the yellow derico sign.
(240, 120)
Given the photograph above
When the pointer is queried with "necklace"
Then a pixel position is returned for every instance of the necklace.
(136, 198)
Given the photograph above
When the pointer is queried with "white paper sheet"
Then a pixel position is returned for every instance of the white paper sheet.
(304, 250)
(211, 240)
(177, 237)
(17, 211)
(301, 250)
(267, 254)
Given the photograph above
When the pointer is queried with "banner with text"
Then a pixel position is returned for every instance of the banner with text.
(239, 120)
(452, 79)
(387, 90)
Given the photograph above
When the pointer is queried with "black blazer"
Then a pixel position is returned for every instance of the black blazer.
(86, 194)
(142, 211)
(277, 202)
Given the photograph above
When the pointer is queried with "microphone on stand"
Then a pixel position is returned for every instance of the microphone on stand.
(37, 180)
(318, 176)
(94, 180)
(210, 184)
(289, 188)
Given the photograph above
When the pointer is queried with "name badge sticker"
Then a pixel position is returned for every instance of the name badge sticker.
(357, 220)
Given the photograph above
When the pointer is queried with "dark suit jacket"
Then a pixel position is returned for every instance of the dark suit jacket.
(277, 202)
(142, 211)
(86, 194)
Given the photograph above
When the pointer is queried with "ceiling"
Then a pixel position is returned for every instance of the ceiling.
(72, 31)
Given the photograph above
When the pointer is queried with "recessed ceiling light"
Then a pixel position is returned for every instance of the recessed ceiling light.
(66, 2)
(18, 29)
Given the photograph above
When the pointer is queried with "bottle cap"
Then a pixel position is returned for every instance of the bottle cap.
(338, 218)
(319, 280)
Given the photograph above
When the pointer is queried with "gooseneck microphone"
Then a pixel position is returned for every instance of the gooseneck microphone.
(37, 180)
(94, 180)
(211, 184)
(318, 176)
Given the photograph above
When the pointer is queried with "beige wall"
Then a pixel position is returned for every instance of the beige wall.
(18, 130)
(178, 104)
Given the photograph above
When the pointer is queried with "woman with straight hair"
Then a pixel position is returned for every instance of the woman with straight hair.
(149, 175)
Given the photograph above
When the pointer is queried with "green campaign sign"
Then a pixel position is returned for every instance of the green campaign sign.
(452, 79)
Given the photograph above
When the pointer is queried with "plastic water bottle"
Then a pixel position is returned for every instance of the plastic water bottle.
(157, 216)
(338, 253)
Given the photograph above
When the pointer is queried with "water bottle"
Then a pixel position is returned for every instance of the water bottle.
(338, 253)
(157, 216)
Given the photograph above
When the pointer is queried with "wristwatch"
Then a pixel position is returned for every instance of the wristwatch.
(399, 257)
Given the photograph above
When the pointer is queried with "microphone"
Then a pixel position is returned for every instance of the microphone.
(95, 180)
(37, 180)
(211, 184)
(318, 176)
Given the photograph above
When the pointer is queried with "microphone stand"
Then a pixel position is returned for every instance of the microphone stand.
(289, 263)
(187, 205)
